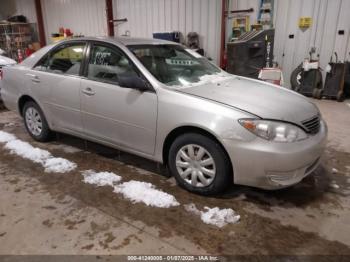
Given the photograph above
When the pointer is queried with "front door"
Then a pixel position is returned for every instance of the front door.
(122, 116)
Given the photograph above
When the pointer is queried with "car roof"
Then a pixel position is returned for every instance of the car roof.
(125, 40)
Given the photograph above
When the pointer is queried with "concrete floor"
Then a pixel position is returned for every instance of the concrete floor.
(58, 214)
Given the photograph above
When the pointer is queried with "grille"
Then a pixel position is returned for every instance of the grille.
(312, 125)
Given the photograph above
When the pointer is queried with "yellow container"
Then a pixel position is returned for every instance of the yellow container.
(305, 22)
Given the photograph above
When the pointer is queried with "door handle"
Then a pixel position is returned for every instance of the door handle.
(34, 78)
(88, 91)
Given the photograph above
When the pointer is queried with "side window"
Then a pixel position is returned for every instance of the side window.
(107, 64)
(65, 60)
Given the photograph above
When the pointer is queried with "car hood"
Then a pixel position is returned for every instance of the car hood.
(256, 97)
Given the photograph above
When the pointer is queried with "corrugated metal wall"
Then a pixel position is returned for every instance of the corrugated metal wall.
(27, 8)
(329, 16)
(204, 16)
(87, 17)
(147, 17)
(16, 7)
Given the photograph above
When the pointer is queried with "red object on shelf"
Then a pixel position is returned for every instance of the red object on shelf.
(67, 32)
(20, 55)
(29, 51)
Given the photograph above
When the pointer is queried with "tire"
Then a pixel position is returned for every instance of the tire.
(340, 96)
(319, 81)
(317, 93)
(192, 176)
(295, 83)
(33, 113)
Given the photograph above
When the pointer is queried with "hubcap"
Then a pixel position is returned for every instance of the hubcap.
(195, 165)
(33, 121)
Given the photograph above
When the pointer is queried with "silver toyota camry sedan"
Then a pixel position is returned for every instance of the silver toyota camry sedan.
(161, 101)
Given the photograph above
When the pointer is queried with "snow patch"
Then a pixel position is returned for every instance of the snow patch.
(146, 193)
(205, 79)
(67, 149)
(6, 137)
(214, 216)
(100, 178)
(334, 185)
(10, 124)
(36, 155)
(214, 78)
(27, 151)
(193, 209)
(59, 165)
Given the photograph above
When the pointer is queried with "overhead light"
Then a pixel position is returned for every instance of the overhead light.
(78, 49)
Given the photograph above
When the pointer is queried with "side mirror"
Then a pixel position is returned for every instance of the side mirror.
(133, 82)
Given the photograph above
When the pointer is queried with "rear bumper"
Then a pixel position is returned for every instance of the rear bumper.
(270, 165)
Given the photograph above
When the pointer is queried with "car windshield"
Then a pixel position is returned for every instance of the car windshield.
(176, 66)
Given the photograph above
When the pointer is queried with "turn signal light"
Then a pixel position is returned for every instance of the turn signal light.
(249, 125)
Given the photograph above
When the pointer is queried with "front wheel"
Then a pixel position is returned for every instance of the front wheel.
(35, 122)
(199, 164)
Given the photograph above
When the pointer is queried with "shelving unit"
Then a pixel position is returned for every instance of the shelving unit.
(265, 15)
(16, 36)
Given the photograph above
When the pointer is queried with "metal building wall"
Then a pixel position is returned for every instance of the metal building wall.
(26, 8)
(204, 16)
(87, 17)
(18, 7)
(147, 17)
(329, 16)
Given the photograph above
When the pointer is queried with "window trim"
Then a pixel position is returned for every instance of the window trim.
(61, 46)
(91, 44)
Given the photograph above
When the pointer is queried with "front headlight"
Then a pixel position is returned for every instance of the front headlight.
(274, 130)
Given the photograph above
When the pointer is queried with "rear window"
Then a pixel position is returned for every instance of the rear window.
(64, 60)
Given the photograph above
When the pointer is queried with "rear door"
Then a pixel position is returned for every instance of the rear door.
(56, 81)
(122, 116)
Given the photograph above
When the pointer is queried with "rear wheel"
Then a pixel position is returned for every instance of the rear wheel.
(199, 164)
(35, 122)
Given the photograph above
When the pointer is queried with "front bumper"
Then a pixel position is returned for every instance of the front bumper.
(271, 165)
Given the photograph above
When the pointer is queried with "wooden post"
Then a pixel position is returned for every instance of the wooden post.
(109, 15)
(223, 33)
(40, 21)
